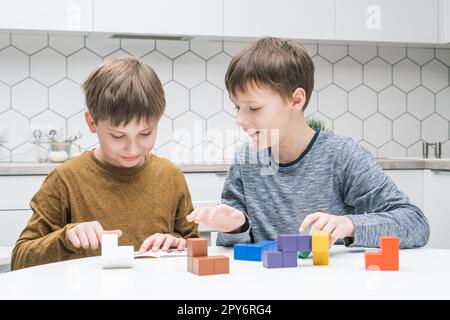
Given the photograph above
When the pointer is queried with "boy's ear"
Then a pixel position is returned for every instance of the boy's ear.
(299, 98)
(90, 122)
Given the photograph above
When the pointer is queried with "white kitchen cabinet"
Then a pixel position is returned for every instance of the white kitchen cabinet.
(12, 223)
(444, 21)
(159, 17)
(298, 19)
(17, 191)
(437, 207)
(48, 15)
(413, 21)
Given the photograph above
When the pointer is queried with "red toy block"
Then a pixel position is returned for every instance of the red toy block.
(190, 265)
(197, 247)
(203, 266)
(387, 258)
(374, 261)
(221, 264)
(390, 252)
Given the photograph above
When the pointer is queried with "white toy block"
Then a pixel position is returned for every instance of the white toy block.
(125, 257)
(109, 257)
(110, 240)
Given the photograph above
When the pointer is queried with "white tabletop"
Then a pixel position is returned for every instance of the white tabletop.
(5, 255)
(423, 275)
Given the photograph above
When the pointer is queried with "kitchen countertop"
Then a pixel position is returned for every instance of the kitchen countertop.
(36, 168)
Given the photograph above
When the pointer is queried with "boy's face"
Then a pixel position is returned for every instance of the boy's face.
(264, 115)
(123, 146)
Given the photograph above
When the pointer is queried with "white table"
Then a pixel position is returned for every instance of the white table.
(423, 275)
(5, 255)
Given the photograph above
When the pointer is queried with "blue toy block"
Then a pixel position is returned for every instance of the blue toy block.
(240, 251)
(289, 259)
(272, 259)
(288, 242)
(256, 250)
(253, 251)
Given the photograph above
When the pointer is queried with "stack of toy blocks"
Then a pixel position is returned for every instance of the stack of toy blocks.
(115, 256)
(290, 244)
(253, 251)
(200, 263)
(387, 258)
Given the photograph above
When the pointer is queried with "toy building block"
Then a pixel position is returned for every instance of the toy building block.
(273, 259)
(304, 246)
(387, 258)
(110, 240)
(304, 254)
(252, 251)
(289, 259)
(240, 251)
(125, 257)
(320, 246)
(287, 242)
(320, 242)
(115, 256)
(320, 258)
(197, 247)
(190, 264)
(390, 252)
(374, 260)
(203, 266)
(221, 264)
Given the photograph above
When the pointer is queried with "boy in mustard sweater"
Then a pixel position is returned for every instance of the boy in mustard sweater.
(119, 187)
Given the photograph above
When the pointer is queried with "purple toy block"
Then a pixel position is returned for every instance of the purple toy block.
(304, 243)
(288, 242)
(289, 259)
(272, 259)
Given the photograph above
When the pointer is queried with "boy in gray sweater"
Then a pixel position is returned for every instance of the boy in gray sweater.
(292, 177)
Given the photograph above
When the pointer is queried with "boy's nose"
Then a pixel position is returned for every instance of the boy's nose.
(241, 122)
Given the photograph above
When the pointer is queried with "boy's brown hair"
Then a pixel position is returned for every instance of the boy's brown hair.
(281, 65)
(123, 90)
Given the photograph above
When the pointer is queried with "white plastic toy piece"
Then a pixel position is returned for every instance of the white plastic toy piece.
(115, 256)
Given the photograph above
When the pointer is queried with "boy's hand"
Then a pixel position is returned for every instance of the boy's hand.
(88, 235)
(338, 227)
(221, 217)
(163, 242)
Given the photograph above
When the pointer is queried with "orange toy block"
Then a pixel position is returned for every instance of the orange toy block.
(203, 266)
(190, 264)
(221, 264)
(387, 258)
(197, 247)
(390, 253)
(374, 261)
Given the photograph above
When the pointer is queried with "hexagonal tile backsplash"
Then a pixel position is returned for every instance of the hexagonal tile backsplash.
(389, 99)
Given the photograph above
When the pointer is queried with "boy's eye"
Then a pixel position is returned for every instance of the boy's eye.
(254, 109)
(146, 134)
(116, 137)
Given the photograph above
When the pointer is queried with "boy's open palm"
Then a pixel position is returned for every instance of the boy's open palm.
(221, 217)
(88, 235)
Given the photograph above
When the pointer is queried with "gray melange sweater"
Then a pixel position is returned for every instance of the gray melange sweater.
(333, 175)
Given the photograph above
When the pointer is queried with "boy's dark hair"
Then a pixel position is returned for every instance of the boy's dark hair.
(281, 65)
(123, 90)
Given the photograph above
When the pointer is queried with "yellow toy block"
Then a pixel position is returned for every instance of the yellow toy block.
(320, 242)
(320, 258)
